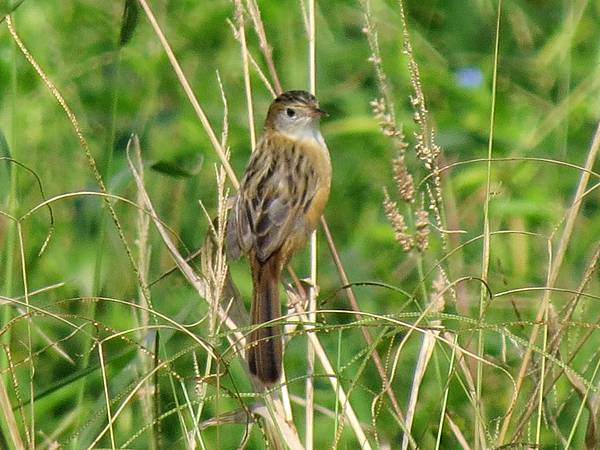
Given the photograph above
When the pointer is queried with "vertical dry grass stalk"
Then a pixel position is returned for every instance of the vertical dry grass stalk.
(213, 262)
(215, 272)
(31, 435)
(266, 49)
(554, 271)
(9, 417)
(190, 93)
(312, 290)
(214, 268)
(109, 415)
(241, 36)
(149, 392)
(557, 333)
(182, 264)
(436, 304)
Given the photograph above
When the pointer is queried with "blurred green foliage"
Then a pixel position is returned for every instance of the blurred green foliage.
(118, 81)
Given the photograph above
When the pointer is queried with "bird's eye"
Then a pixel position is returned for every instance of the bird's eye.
(290, 112)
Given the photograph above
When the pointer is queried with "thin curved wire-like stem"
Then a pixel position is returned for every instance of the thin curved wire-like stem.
(509, 159)
(387, 388)
(553, 276)
(83, 144)
(547, 386)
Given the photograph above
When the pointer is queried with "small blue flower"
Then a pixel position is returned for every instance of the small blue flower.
(469, 77)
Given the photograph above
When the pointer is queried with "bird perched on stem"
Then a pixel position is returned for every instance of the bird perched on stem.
(281, 198)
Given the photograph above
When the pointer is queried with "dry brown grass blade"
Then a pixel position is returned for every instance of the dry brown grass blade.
(436, 304)
(309, 411)
(364, 330)
(224, 313)
(423, 359)
(266, 49)
(590, 401)
(241, 35)
(344, 400)
(106, 397)
(591, 269)
(143, 259)
(480, 441)
(9, 417)
(457, 433)
(553, 276)
(190, 93)
(188, 272)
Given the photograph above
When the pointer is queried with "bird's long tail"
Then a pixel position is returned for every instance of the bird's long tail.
(265, 348)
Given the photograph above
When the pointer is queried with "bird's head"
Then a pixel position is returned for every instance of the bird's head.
(295, 113)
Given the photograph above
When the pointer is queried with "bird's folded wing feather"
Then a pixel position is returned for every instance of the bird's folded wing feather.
(276, 191)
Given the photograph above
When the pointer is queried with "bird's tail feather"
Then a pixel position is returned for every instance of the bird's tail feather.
(265, 347)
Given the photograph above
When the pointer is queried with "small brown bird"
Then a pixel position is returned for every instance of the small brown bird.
(281, 198)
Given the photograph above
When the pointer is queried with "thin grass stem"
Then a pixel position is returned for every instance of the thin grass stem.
(485, 258)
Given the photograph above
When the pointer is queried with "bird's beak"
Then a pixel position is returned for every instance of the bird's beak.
(319, 112)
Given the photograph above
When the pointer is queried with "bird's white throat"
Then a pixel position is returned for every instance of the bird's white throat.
(309, 133)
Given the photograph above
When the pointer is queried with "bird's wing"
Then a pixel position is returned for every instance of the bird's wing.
(277, 189)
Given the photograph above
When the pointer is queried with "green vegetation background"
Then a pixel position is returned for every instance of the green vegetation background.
(547, 106)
